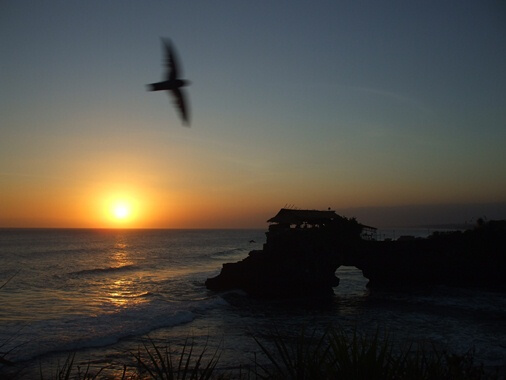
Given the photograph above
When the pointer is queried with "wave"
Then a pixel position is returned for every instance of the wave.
(227, 253)
(72, 333)
(125, 295)
(38, 252)
(103, 270)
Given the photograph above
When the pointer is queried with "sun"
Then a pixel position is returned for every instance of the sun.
(121, 211)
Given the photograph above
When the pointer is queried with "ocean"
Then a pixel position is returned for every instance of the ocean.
(104, 293)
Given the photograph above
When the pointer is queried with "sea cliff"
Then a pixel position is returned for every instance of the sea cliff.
(301, 259)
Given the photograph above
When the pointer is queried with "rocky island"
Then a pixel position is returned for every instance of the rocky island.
(304, 248)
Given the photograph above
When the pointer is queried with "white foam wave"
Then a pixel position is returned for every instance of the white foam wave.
(76, 332)
(103, 270)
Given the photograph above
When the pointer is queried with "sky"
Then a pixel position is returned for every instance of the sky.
(393, 112)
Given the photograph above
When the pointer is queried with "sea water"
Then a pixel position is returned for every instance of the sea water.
(104, 293)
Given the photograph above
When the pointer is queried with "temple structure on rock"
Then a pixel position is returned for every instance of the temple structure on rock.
(288, 218)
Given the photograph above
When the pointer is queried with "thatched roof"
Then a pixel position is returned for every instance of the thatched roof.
(289, 216)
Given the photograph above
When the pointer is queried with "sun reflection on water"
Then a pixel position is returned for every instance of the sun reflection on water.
(120, 259)
(125, 292)
(123, 289)
(120, 245)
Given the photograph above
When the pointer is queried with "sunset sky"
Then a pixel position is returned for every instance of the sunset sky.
(390, 111)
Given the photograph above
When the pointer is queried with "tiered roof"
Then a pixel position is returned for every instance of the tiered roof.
(293, 216)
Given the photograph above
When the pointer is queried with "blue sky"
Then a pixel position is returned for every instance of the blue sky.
(354, 105)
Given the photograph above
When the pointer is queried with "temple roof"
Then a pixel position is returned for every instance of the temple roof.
(290, 216)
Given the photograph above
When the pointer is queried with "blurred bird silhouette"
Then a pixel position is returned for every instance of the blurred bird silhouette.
(173, 84)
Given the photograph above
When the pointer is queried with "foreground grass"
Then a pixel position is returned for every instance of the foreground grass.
(160, 363)
(333, 354)
(336, 354)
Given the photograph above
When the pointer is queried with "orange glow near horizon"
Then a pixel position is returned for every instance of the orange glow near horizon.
(104, 201)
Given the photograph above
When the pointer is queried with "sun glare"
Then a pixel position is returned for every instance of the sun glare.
(121, 211)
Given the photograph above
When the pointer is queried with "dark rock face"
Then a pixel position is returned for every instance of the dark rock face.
(297, 262)
(474, 258)
(262, 274)
(294, 262)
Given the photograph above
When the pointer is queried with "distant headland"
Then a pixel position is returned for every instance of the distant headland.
(304, 248)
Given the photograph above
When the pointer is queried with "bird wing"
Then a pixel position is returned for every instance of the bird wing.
(181, 104)
(171, 61)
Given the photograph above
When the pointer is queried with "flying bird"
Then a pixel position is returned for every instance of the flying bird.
(173, 84)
